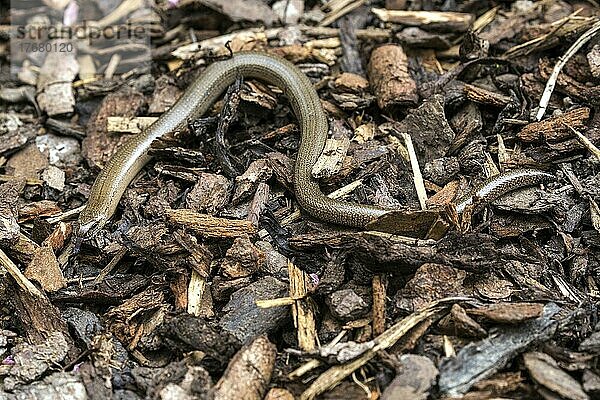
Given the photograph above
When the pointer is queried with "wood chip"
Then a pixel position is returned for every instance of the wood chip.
(332, 158)
(9, 195)
(128, 124)
(483, 96)
(479, 360)
(209, 226)
(414, 380)
(42, 208)
(438, 20)
(242, 258)
(279, 394)
(546, 372)
(45, 270)
(210, 194)
(248, 374)
(555, 128)
(54, 177)
(55, 92)
(246, 184)
(302, 309)
(389, 77)
(27, 163)
(97, 146)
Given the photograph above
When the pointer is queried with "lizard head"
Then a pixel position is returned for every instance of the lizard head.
(88, 225)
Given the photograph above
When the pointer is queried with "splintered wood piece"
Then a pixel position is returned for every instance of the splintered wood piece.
(258, 203)
(416, 169)
(33, 308)
(304, 318)
(45, 270)
(249, 372)
(479, 360)
(555, 128)
(332, 158)
(546, 372)
(440, 20)
(24, 283)
(379, 285)
(209, 226)
(246, 184)
(196, 290)
(484, 96)
(390, 79)
(334, 375)
(128, 124)
(42, 208)
(59, 236)
(509, 313)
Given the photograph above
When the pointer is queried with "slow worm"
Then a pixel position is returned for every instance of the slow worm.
(204, 91)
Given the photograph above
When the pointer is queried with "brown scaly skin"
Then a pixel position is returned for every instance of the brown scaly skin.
(204, 91)
(497, 186)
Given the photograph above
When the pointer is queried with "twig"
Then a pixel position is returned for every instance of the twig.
(485, 19)
(111, 265)
(502, 154)
(334, 375)
(417, 177)
(278, 302)
(65, 215)
(28, 181)
(339, 9)
(196, 290)
(379, 283)
(18, 276)
(314, 363)
(585, 142)
(531, 45)
(302, 312)
(583, 39)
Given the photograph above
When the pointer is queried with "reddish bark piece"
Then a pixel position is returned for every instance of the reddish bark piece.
(390, 79)
(98, 145)
(45, 270)
(249, 372)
